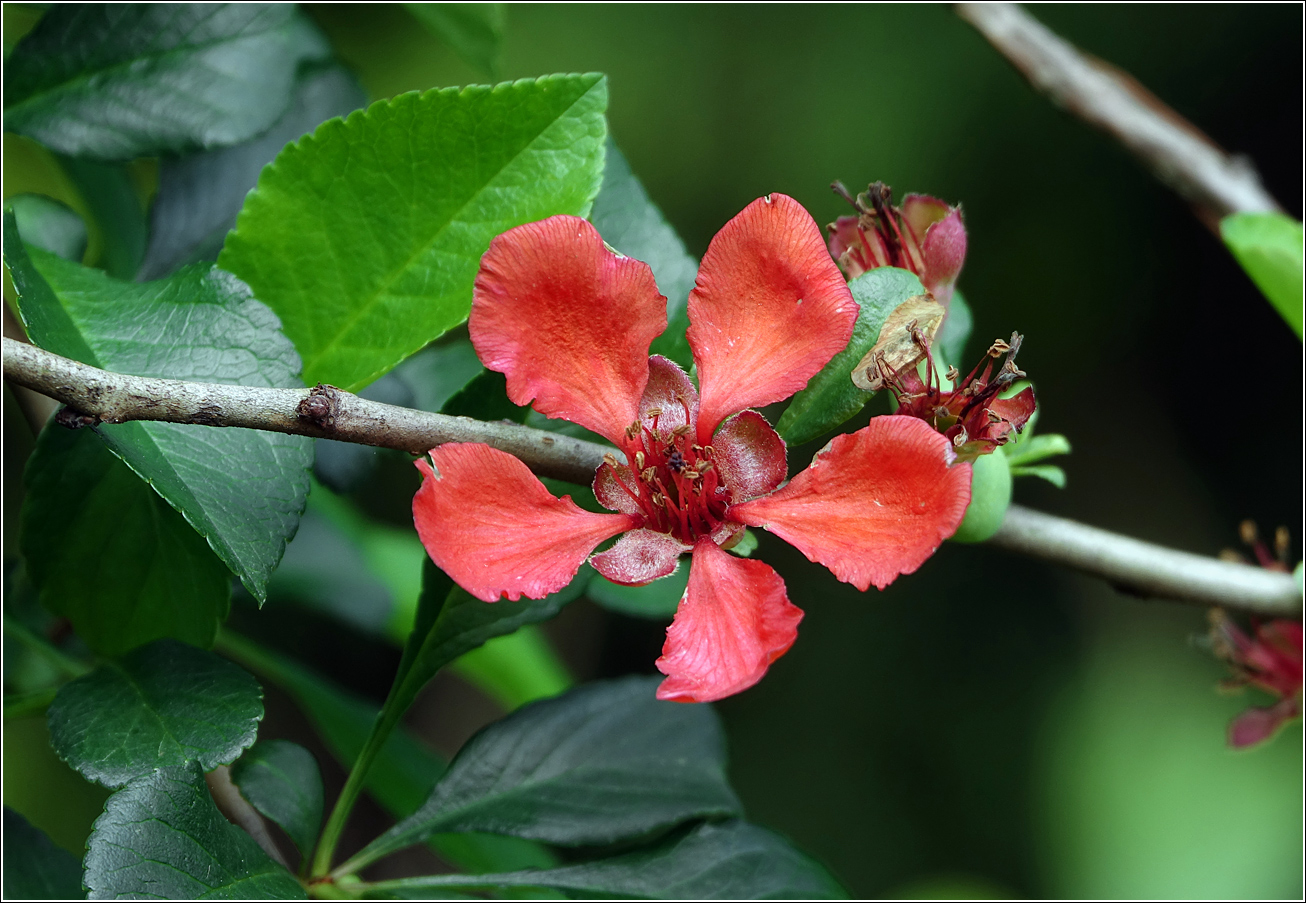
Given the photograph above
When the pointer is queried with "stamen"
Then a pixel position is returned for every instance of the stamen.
(639, 461)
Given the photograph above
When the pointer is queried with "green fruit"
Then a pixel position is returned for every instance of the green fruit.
(990, 494)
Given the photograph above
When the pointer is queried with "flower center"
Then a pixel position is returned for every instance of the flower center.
(676, 485)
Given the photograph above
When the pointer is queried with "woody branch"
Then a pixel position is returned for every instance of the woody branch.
(98, 396)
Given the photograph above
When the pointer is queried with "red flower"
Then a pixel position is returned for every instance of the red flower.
(1272, 661)
(569, 322)
(925, 236)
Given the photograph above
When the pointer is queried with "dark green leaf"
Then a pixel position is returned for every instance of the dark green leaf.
(34, 868)
(281, 779)
(473, 30)
(602, 763)
(162, 837)
(657, 600)
(485, 398)
(49, 225)
(111, 199)
(732, 860)
(830, 397)
(162, 705)
(201, 194)
(954, 332)
(386, 214)
(108, 553)
(243, 490)
(630, 222)
(1269, 247)
(405, 771)
(118, 81)
(435, 373)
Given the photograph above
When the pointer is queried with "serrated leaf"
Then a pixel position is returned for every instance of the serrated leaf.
(629, 221)
(405, 771)
(161, 705)
(49, 225)
(161, 836)
(201, 194)
(1269, 248)
(473, 30)
(118, 81)
(656, 601)
(731, 860)
(602, 763)
(281, 779)
(108, 553)
(1050, 472)
(243, 490)
(830, 397)
(384, 216)
(34, 868)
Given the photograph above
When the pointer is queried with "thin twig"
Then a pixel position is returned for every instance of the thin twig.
(1138, 567)
(1176, 151)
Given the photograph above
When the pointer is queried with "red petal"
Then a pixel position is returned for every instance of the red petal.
(944, 251)
(639, 557)
(608, 490)
(750, 456)
(769, 310)
(667, 384)
(734, 620)
(493, 527)
(922, 211)
(1256, 724)
(568, 322)
(874, 504)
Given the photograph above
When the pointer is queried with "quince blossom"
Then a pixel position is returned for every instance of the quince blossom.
(569, 322)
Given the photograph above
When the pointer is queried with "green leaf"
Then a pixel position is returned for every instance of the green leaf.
(485, 397)
(281, 779)
(1050, 472)
(473, 30)
(118, 81)
(243, 490)
(111, 199)
(162, 837)
(656, 601)
(405, 771)
(49, 225)
(201, 194)
(746, 546)
(954, 332)
(107, 552)
(630, 222)
(830, 397)
(435, 373)
(34, 868)
(602, 763)
(731, 860)
(1269, 247)
(162, 705)
(366, 237)
(1036, 448)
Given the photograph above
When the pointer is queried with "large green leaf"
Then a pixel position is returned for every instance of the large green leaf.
(657, 601)
(602, 763)
(243, 490)
(111, 199)
(473, 30)
(34, 868)
(201, 194)
(629, 221)
(162, 837)
(281, 779)
(830, 397)
(365, 237)
(732, 860)
(108, 553)
(117, 81)
(162, 705)
(49, 225)
(1269, 247)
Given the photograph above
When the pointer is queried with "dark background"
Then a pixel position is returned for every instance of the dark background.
(990, 725)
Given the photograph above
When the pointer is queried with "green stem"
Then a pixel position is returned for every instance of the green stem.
(422, 882)
(42, 647)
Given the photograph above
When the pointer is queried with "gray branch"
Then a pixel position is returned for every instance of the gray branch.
(1178, 153)
(327, 413)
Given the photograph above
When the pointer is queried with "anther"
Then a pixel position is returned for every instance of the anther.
(639, 460)
(648, 474)
(682, 430)
(609, 459)
(1282, 539)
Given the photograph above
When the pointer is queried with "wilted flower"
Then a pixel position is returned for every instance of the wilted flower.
(1271, 661)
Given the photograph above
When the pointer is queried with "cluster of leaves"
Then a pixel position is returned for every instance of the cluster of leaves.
(296, 235)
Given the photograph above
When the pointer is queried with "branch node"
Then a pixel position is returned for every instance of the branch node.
(321, 406)
(75, 420)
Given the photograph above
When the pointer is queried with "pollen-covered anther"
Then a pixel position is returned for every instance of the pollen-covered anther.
(682, 430)
(647, 474)
(639, 461)
(998, 348)
(632, 431)
(610, 459)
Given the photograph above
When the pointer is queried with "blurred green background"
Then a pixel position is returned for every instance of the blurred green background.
(990, 726)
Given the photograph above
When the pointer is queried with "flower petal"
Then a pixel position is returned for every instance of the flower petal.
(667, 384)
(750, 456)
(1258, 724)
(922, 211)
(874, 504)
(944, 252)
(639, 557)
(568, 322)
(608, 490)
(734, 620)
(768, 311)
(493, 527)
